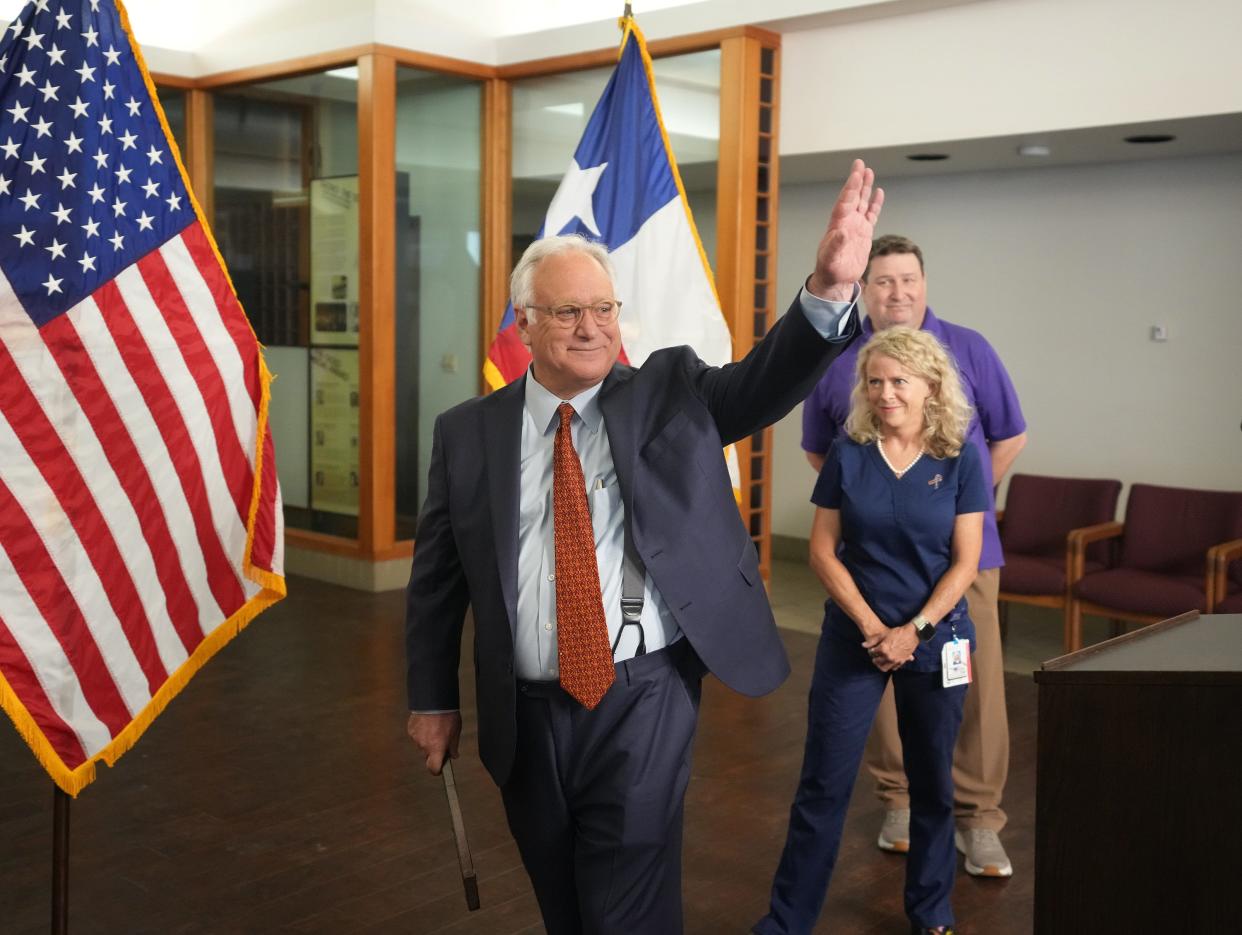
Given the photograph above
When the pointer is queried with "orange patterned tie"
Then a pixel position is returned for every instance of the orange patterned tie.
(582, 632)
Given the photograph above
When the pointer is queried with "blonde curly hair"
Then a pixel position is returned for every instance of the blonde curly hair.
(946, 413)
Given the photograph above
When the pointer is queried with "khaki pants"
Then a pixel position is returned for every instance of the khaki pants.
(981, 758)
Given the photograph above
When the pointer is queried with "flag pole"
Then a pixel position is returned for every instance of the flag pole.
(60, 861)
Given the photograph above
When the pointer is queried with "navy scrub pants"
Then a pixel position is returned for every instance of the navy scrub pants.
(845, 692)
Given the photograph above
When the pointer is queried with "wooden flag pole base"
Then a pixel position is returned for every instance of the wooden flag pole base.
(60, 862)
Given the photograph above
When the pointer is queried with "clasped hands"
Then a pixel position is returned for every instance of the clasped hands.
(891, 647)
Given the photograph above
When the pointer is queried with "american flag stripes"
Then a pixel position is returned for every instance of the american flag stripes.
(140, 516)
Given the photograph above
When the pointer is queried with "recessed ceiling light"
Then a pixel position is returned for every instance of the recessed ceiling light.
(1141, 138)
(927, 157)
(1034, 150)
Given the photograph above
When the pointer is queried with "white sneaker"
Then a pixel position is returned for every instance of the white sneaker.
(895, 832)
(984, 855)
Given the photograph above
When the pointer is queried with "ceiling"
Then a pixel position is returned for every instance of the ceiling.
(190, 26)
(1198, 136)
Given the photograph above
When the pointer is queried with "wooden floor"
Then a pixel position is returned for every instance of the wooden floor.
(278, 793)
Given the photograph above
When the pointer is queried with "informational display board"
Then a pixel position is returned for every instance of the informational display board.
(334, 261)
(334, 430)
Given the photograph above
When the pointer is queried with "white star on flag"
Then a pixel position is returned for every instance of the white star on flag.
(573, 199)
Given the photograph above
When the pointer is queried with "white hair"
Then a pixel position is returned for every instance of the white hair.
(522, 281)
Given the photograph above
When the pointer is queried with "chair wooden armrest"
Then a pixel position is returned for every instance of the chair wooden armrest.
(1076, 543)
(1218, 559)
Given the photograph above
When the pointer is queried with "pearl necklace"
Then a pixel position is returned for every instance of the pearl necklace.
(879, 445)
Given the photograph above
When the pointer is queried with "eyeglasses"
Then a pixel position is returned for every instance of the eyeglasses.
(570, 316)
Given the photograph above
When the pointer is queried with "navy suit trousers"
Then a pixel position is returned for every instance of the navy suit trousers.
(595, 798)
(845, 692)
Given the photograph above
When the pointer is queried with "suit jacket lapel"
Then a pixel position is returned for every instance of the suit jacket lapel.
(617, 406)
(502, 434)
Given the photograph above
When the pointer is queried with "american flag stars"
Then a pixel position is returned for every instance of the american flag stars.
(82, 157)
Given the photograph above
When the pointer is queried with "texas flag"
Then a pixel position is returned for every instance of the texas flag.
(623, 189)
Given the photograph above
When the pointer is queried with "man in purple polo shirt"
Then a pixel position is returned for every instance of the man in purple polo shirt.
(895, 293)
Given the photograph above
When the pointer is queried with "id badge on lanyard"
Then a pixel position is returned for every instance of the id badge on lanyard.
(955, 661)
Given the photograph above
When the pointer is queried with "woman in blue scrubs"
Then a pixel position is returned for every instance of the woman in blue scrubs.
(898, 526)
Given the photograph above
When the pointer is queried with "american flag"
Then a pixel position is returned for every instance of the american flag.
(140, 516)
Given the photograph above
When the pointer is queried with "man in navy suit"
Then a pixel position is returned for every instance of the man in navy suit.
(593, 783)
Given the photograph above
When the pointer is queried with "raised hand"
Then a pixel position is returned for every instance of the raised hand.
(842, 255)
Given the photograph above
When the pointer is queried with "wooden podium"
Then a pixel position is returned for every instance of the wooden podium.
(1138, 808)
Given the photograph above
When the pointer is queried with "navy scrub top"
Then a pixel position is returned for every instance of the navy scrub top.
(896, 534)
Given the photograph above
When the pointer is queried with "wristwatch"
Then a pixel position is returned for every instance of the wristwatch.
(924, 628)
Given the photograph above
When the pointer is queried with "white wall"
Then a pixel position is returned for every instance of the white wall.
(1064, 270)
(1005, 67)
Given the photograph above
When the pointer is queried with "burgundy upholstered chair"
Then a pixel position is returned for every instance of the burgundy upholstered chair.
(1175, 546)
(1041, 514)
(1226, 593)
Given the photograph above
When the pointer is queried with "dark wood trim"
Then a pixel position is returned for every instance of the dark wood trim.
(166, 80)
(429, 61)
(288, 68)
(322, 542)
(598, 58)
(377, 187)
(199, 157)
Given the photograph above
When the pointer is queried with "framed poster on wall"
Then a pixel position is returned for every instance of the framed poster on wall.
(334, 430)
(334, 261)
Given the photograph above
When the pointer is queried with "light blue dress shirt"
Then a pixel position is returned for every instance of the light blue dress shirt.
(534, 639)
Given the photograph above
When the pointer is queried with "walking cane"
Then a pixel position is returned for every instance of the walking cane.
(468, 880)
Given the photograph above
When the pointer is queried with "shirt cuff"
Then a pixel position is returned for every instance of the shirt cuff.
(828, 318)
